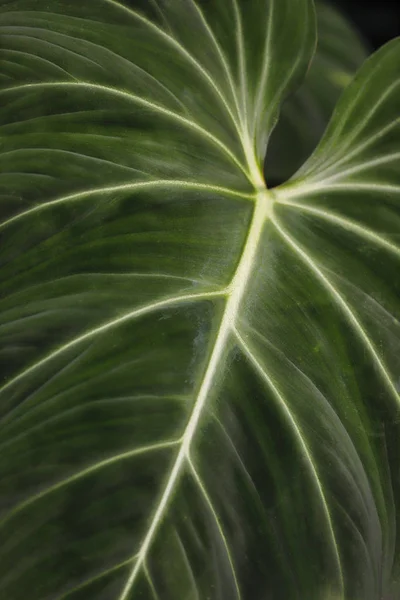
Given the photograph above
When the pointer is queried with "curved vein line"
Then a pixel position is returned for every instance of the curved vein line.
(347, 141)
(379, 187)
(235, 293)
(372, 564)
(370, 299)
(156, 6)
(345, 223)
(359, 148)
(85, 276)
(390, 523)
(343, 305)
(95, 578)
(282, 357)
(52, 44)
(23, 174)
(387, 158)
(222, 57)
(27, 399)
(304, 189)
(39, 58)
(134, 314)
(141, 101)
(275, 98)
(214, 514)
(43, 41)
(88, 471)
(140, 185)
(13, 65)
(362, 492)
(266, 65)
(65, 414)
(303, 444)
(239, 458)
(150, 582)
(242, 62)
(187, 565)
(106, 50)
(70, 153)
(182, 50)
(342, 120)
(247, 144)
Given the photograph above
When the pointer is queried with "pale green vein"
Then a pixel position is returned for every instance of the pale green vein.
(137, 100)
(88, 471)
(303, 445)
(372, 562)
(321, 175)
(99, 276)
(240, 460)
(367, 298)
(29, 176)
(347, 224)
(274, 101)
(247, 143)
(96, 577)
(362, 166)
(39, 59)
(150, 582)
(217, 521)
(24, 403)
(134, 314)
(183, 52)
(44, 42)
(223, 60)
(68, 153)
(358, 128)
(344, 117)
(65, 414)
(187, 565)
(235, 292)
(158, 9)
(345, 308)
(127, 187)
(242, 63)
(116, 58)
(263, 80)
(294, 190)
(361, 483)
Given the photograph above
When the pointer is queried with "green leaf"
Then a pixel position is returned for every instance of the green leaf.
(304, 116)
(199, 393)
(340, 218)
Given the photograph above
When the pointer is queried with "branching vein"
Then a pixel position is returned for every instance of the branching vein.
(235, 294)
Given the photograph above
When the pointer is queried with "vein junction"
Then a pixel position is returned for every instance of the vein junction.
(235, 293)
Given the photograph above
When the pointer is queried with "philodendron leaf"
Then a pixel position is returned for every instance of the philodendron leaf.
(200, 376)
(339, 54)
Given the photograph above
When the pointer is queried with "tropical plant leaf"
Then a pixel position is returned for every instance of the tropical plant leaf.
(199, 393)
(346, 231)
(340, 53)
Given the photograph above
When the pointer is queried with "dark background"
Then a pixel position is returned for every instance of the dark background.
(378, 21)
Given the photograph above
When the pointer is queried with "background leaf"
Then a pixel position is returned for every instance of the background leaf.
(305, 115)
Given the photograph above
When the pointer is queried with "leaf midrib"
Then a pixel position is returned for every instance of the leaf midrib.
(235, 293)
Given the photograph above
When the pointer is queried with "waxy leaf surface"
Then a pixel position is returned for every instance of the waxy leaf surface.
(199, 393)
